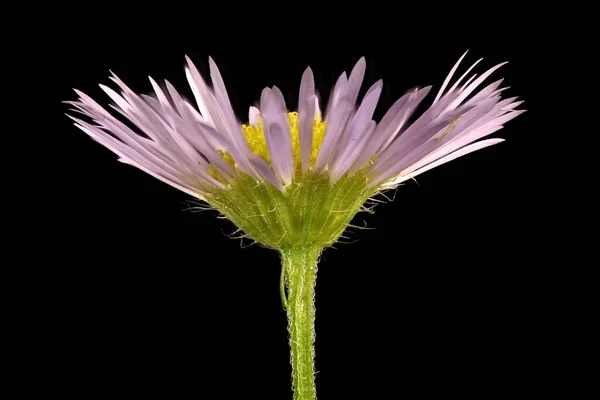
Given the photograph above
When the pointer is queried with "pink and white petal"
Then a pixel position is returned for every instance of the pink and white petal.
(506, 102)
(277, 133)
(224, 105)
(512, 106)
(365, 111)
(122, 150)
(205, 99)
(224, 144)
(265, 172)
(356, 126)
(449, 148)
(337, 95)
(277, 104)
(184, 130)
(263, 97)
(138, 144)
(169, 115)
(171, 138)
(197, 119)
(280, 150)
(467, 83)
(90, 103)
(355, 80)
(201, 143)
(471, 135)
(488, 91)
(421, 148)
(150, 149)
(160, 95)
(232, 125)
(420, 130)
(128, 108)
(180, 129)
(306, 116)
(466, 120)
(479, 131)
(469, 89)
(189, 119)
(391, 123)
(212, 114)
(150, 157)
(337, 121)
(178, 101)
(141, 115)
(127, 92)
(253, 114)
(195, 192)
(496, 92)
(447, 158)
(413, 137)
(343, 164)
(399, 122)
(448, 78)
(463, 76)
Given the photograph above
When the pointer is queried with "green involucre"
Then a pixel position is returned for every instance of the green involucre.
(311, 212)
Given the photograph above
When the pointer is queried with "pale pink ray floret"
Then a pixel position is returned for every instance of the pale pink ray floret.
(177, 143)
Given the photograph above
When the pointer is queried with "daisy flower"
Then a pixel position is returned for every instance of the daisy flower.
(293, 181)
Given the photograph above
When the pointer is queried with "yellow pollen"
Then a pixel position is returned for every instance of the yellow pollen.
(255, 137)
(227, 157)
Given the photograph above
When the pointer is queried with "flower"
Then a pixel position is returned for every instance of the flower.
(293, 181)
(291, 177)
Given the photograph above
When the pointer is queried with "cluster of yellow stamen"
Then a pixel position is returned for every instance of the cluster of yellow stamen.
(255, 137)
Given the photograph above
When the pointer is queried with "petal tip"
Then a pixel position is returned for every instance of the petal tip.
(307, 72)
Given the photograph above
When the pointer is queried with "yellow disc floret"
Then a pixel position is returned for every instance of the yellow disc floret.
(255, 137)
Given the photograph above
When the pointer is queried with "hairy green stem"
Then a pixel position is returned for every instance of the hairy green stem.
(300, 267)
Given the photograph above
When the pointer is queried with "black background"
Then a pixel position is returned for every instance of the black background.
(143, 298)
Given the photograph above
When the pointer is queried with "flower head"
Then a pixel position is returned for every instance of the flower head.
(294, 177)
